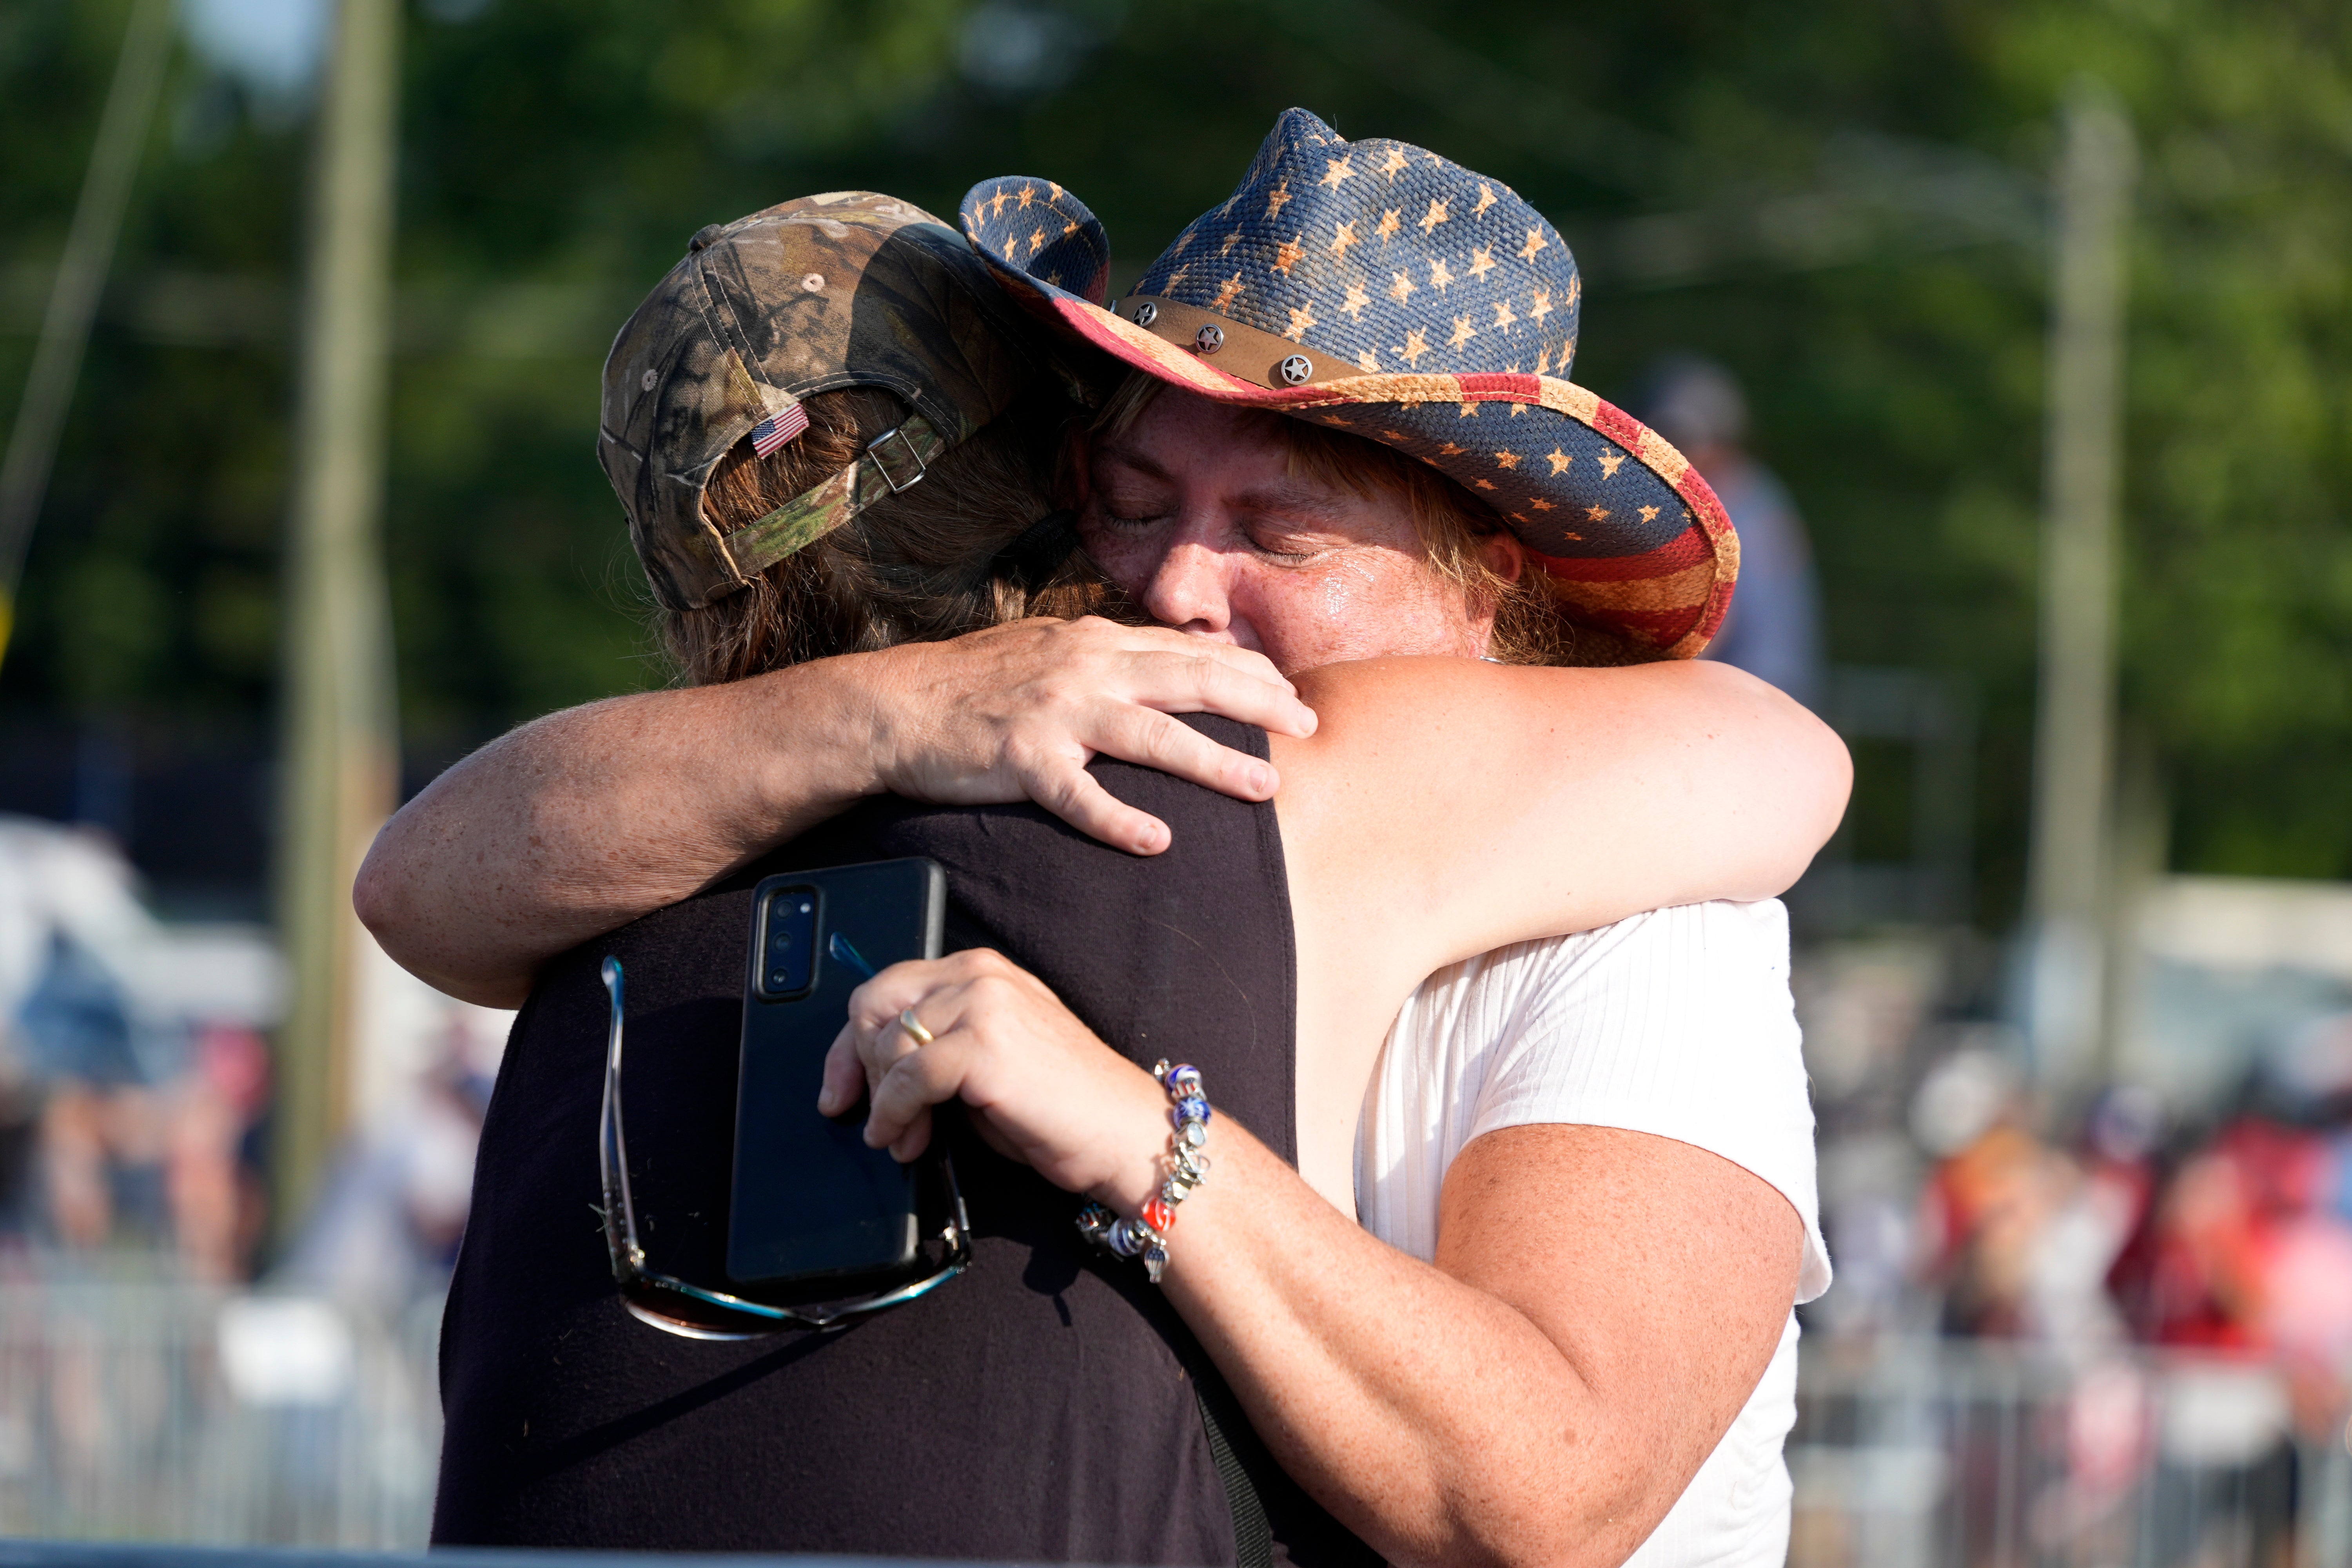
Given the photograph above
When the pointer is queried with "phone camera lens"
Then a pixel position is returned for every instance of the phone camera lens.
(789, 943)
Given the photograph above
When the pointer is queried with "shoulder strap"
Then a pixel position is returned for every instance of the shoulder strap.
(1252, 1536)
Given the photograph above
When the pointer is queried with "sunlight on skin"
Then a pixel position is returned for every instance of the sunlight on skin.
(1193, 511)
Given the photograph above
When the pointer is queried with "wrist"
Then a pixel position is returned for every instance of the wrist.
(825, 737)
(1135, 1152)
(879, 737)
(1145, 1236)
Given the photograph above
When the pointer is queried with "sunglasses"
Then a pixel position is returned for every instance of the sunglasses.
(697, 1312)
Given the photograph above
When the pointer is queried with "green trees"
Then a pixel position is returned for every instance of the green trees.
(1850, 190)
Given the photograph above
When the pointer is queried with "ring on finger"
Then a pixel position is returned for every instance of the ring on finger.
(914, 1026)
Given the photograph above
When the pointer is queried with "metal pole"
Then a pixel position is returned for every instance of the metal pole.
(341, 750)
(73, 296)
(2069, 876)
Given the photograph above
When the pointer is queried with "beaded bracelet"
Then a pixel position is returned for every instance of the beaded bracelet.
(1147, 1238)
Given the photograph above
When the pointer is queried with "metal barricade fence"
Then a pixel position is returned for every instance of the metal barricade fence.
(139, 1409)
(143, 1409)
(1957, 1454)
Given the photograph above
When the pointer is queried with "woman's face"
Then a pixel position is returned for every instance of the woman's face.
(1195, 514)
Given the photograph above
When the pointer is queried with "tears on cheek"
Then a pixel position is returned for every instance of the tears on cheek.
(1362, 604)
(1343, 590)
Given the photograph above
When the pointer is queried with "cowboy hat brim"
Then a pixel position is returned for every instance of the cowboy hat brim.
(1629, 536)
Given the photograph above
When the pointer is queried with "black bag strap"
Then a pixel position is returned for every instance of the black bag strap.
(1252, 1536)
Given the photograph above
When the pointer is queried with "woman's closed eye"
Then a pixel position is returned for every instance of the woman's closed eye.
(1128, 509)
(1286, 540)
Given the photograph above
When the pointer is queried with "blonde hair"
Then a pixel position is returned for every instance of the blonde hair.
(1452, 524)
(917, 566)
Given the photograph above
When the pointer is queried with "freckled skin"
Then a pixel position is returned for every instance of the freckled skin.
(1193, 511)
(1521, 1402)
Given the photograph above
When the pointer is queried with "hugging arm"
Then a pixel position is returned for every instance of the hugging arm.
(584, 820)
(1602, 1305)
(1502, 804)
(1603, 1301)
(587, 819)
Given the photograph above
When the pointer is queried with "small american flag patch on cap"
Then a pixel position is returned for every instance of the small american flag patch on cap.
(777, 429)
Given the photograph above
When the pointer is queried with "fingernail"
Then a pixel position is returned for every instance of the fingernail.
(1261, 779)
(824, 1103)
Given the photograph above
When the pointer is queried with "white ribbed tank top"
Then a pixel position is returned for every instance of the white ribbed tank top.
(1676, 1023)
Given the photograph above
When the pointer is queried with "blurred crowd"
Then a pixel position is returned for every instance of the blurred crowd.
(2231, 1232)
(135, 1090)
(2155, 1294)
(127, 1119)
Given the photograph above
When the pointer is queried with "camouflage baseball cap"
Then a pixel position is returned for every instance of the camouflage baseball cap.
(851, 289)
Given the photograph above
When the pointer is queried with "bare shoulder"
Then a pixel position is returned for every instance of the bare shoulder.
(1423, 727)
(1411, 694)
(1509, 803)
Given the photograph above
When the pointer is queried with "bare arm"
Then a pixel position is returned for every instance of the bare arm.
(1447, 807)
(1504, 804)
(1602, 1305)
(586, 819)
(580, 821)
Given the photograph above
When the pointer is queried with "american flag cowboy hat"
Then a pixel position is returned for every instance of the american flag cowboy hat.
(1377, 287)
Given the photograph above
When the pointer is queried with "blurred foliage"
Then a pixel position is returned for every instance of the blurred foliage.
(557, 153)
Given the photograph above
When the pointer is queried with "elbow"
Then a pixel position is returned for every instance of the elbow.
(421, 956)
(1587, 1497)
(1599, 1528)
(1793, 779)
(375, 891)
(1559, 1533)
(388, 901)
(388, 895)
(1804, 803)
(1823, 770)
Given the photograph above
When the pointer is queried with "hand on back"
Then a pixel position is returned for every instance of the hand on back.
(1017, 711)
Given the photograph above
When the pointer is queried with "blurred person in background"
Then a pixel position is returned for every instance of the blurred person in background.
(142, 1116)
(1988, 1196)
(2237, 1259)
(2249, 1247)
(2017, 1234)
(385, 1229)
(2245, 1273)
(2019, 1238)
(212, 1173)
(1773, 629)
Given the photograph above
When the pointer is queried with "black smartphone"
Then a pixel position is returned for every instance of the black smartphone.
(814, 1211)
